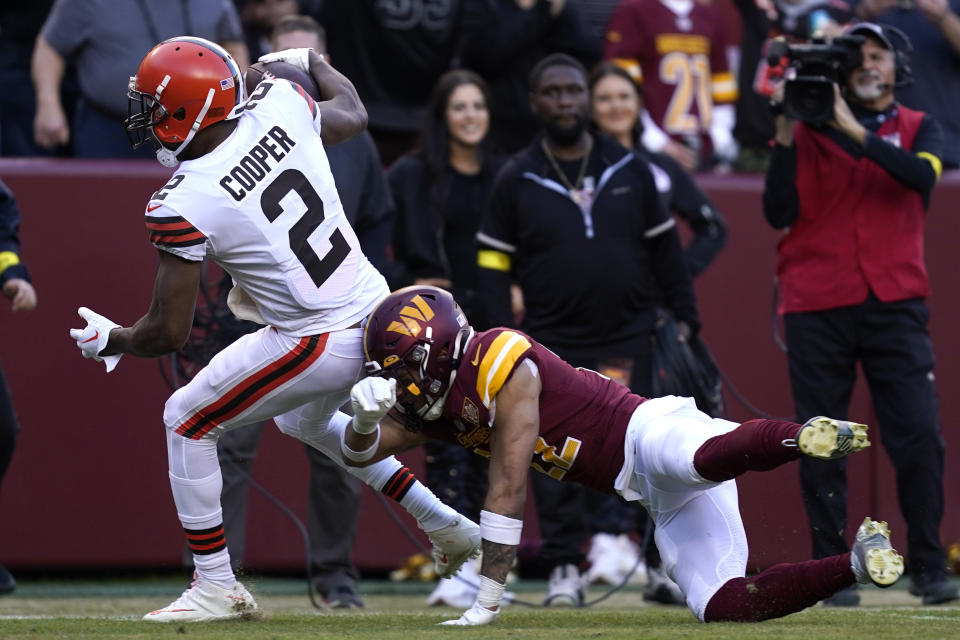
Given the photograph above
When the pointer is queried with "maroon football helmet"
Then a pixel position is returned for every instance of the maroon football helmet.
(417, 335)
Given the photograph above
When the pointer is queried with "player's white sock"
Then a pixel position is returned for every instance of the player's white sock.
(430, 512)
(196, 484)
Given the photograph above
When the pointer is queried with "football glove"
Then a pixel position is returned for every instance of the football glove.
(92, 339)
(299, 58)
(371, 399)
(475, 616)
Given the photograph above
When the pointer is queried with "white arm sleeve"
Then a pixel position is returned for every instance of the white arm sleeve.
(653, 136)
(721, 131)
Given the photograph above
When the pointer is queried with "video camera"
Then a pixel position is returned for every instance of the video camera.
(812, 70)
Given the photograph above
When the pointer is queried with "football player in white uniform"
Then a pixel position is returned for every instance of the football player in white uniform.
(254, 192)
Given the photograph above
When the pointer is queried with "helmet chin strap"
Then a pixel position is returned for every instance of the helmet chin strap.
(168, 157)
(435, 409)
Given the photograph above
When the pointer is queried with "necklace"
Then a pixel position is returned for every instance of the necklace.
(577, 193)
(563, 177)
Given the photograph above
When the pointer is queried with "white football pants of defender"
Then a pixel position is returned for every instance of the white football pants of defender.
(244, 384)
(698, 527)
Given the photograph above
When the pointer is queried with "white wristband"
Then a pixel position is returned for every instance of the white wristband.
(360, 456)
(490, 593)
(501, 529)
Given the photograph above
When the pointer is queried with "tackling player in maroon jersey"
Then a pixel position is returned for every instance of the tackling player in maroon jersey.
(510, 399)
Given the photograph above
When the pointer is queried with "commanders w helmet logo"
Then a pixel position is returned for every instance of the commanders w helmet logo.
(412, 317)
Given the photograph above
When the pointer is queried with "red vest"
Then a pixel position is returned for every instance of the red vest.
(858, 228)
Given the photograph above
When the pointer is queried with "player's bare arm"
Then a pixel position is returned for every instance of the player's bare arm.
(342, 113)
(394, 439)
(167, 323)
(512, 443)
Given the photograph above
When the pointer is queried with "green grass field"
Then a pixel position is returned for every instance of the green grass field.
(111, 608)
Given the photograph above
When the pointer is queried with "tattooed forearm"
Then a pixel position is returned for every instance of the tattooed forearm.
(497, 560)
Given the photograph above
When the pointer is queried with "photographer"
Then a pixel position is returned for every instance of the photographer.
(852, 194)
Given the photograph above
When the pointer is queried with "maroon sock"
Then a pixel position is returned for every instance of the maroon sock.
(756, 445)
(780, 590)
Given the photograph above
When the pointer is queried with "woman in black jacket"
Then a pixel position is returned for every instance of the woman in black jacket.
(440, 191)
(616, 104)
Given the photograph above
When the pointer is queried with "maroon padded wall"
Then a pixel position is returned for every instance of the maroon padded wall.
(88, 485)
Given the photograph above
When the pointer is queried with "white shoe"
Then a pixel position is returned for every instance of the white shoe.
(660, 588)
(205, 601)
(564, 587)
(459, 591)
(454, 544)
(605, 560)
(631, 564)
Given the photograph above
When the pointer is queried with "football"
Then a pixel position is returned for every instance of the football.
(283, 70)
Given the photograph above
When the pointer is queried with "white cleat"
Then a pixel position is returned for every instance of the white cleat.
(610, 559)
(460, 591)
(661, 588)
(826, 438)
(204, 601)
(454, 544)
(873, 558)
(564, 587)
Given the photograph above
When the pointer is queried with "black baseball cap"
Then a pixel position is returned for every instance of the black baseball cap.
(872, 29)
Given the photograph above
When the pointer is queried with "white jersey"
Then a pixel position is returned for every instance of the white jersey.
(264, 206)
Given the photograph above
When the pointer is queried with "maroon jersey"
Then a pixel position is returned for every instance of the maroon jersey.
(681, 59)
(583, 415)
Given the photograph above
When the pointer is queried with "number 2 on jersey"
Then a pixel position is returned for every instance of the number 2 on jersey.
(319, 268)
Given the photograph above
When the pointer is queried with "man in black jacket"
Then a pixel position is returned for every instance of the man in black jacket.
(576, 220)
(15, 283)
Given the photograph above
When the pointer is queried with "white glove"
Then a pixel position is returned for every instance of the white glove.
(475, 616)
(371, 399)
(92, 339)
(299, 58)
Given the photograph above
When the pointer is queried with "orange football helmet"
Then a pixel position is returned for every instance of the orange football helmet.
(183, 85)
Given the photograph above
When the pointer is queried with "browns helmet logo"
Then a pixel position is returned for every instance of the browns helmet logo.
(412, 317)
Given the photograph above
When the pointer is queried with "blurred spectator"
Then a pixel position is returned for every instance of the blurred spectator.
(798, 21)
(503, 39)
(616, 103)
(860, 187)
(259, 18)
(678, 50)
(393, 52)
(934, 29)
(596, 16)
(20, 22)
(576, 220)
(334, 499)
(15, 282)
(107, 40)
(440, 191)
